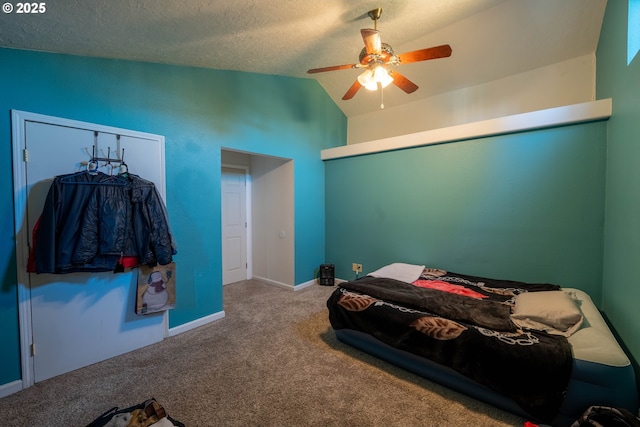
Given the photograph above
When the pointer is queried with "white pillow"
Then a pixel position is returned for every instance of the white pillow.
(408, 273)
(554, 312)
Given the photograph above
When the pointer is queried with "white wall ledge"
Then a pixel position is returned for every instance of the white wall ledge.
(552, 117)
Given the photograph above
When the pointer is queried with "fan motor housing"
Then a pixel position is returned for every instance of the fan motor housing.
(386, 53)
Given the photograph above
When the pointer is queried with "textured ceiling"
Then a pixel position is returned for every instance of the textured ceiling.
(490, 39)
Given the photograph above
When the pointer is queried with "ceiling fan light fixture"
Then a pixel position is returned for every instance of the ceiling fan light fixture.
(366, 78)
(371, 77)
(376, 56)
(381, 75)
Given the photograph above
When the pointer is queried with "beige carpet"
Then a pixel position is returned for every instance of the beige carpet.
(272, 361)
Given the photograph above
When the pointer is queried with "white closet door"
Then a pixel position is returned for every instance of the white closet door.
(81, 318)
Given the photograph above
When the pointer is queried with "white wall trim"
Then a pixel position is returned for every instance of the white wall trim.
(285, 285)
(305, 285)
(570, 114)
(10, 388)
(273, 282)
(196, 323)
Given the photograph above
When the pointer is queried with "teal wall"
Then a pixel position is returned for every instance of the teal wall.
(617, 80)
(525, 206)
(198, 111)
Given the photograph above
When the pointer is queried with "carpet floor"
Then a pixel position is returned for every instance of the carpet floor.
(273, 360)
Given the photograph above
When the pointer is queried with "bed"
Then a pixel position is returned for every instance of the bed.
(537, 350)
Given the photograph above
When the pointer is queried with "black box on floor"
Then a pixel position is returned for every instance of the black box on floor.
(326, 275)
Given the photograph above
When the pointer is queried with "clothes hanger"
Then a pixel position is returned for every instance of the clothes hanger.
(123, 168)
(93, 168)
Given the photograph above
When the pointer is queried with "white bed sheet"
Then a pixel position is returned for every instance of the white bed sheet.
(594, 341)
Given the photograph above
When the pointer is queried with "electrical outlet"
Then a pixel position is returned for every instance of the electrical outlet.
(354, 267)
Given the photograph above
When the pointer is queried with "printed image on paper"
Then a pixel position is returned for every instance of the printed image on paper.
(156, 288)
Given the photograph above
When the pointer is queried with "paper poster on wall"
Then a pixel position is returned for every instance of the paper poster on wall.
(156, 288)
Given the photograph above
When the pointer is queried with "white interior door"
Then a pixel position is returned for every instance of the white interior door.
(80, 318)
(234, 225)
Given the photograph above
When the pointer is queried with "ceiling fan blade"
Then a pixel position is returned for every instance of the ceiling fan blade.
(402, 82)
(352, 91)
(332, 68)
(372, 43)
(425, 54)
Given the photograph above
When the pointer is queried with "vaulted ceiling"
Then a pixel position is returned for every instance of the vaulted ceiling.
(491, 39)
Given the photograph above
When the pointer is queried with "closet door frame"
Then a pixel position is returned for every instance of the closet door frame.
(20, 198)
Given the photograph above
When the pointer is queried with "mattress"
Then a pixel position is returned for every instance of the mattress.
(601, 373)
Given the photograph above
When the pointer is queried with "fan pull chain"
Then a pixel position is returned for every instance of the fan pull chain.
(381, 95)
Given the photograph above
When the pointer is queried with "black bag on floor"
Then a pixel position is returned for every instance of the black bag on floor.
(147, 412)
(603, 416)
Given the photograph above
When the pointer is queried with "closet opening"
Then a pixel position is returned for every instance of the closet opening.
(257, 207)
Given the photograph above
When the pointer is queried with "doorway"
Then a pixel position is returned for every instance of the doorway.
(270, 220)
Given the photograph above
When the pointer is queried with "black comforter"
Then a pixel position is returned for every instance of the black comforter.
(470, 332)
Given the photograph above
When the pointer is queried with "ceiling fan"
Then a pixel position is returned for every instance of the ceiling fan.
(376, 56)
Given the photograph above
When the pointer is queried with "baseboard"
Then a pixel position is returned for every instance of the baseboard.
(285, 285)
(273, 282)
(195, 323)
(10, 388)
(304, 285)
